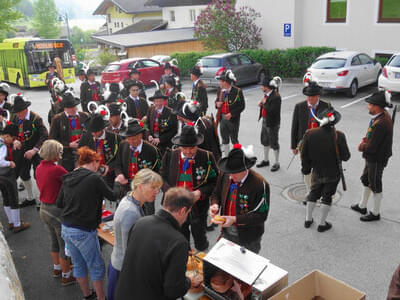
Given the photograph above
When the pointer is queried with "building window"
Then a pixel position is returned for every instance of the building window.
(172, 15)
(192, 15)
(109, 18)
(122, 24)
(336, 11)
(389, 11)
(133, 19)
(110, 30)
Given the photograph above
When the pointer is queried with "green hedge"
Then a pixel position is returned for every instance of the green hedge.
(289, 63)
(382, 60)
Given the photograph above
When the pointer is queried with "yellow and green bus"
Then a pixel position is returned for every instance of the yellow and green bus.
(24, 61)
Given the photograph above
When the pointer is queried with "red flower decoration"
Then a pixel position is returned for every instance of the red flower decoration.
(19, 94)
(195, 102)
(306, 79)
(141, 124)
(330, 114)
(8, 123)
(190, 124)
(237, 146)
(103, 113)
(120, 101)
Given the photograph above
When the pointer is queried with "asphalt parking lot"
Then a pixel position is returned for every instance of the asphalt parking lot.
(362, 255)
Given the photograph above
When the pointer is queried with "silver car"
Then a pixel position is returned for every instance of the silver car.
(344, 71)
(245, 69)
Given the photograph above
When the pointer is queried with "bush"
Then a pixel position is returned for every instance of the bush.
(289, 63)
(382, 60)
(105, 57)
(186, 61)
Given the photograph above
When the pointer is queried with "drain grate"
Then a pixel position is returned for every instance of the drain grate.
(297, 192)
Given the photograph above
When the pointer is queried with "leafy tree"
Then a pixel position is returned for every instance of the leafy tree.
(45, 19)
(105, 57)
(222, 26)
(25, 7)
(8, 16)
(81, 37)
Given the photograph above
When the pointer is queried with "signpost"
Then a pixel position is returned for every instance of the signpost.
(287, 29)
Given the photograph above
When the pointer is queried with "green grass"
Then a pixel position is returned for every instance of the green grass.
(391, 9)
(338, 9)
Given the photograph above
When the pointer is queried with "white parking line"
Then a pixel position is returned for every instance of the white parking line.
(355, 101)
(290, 96)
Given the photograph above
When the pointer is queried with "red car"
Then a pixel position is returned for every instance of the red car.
(149, 69)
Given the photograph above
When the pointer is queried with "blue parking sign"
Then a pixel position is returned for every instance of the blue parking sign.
(287, 29)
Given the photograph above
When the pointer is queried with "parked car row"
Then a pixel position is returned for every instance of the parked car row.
(390, 77)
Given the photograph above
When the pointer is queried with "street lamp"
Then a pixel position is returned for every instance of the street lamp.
(62, 17)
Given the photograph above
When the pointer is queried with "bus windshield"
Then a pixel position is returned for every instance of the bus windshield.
(38, 58)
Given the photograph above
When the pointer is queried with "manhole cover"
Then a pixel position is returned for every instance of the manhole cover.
(297, 192)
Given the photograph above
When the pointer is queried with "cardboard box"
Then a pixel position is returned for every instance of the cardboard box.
(318, 285)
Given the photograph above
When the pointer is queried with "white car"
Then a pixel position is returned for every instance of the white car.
(344, 71)
(390, 77)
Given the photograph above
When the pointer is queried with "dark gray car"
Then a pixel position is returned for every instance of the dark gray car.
(245, 69)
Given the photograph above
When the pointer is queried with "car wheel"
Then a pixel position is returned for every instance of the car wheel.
(261, 76)
(352, 92)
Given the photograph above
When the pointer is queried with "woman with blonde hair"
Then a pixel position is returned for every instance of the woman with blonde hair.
(145, 187)
(49, 180)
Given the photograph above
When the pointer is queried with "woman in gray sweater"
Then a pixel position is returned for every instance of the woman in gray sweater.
(145, 187)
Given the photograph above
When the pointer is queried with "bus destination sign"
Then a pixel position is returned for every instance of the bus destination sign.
(55, 45)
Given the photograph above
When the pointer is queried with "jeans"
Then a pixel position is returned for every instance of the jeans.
(113, 275)
(85, 252)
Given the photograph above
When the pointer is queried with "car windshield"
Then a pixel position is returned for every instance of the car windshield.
(210, 62)
(112, 68)
(329, 63)
(395, 62)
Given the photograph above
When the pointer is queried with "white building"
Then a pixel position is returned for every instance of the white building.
(180, 13)
(371, 26)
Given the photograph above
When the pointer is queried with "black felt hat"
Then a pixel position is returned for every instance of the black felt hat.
(236, 161)
(171, 81)
(90, 72)
(329, 116)
(379, 99)
(227, 76)
(20, 104)
(10, 129)
(189, 137)
(112, 98)
(312, 89)
(115, 109)
(96, 123)
(81, 72)
(132, 83)
(167, 66)
(267, 82)
(158, 95)
(3, 91)
(68, 100)
(134, 128)
(190, 110)
(196, 72)
(134, 71)
(114, 87)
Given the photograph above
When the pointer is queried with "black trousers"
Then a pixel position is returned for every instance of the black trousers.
(9, 190)
(229, 130)
(254, 246)
(197, 224)
(68, 160)
(270, 136)
(372, 176)
(322, 189)
(23, 165)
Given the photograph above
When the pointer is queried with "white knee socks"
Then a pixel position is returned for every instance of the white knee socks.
(307, 181)
(225, 150)
(266, 153)
(7, 209)
(365, 196)
(377, 203)
(309, 210)
(276, 152)
(325, 210)
(28, 186)
(16, 218)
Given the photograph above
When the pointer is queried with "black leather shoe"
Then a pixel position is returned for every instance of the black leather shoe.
(275, 167)
(322, 228)
(307, 224)
(27, 202)
(357, 208)
(370, 217)
(263, 163)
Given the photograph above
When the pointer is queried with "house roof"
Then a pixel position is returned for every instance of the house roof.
(166, 3)
(128, 6)
(143, 25)
(130, 40)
